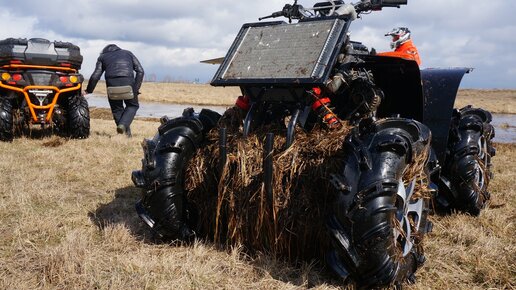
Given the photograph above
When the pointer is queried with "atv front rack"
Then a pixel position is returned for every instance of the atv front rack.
(50, 107)
(22, 87)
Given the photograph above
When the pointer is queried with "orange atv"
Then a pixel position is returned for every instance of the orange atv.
(40, 86)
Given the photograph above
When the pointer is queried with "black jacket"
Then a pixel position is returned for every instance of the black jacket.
(118, 64)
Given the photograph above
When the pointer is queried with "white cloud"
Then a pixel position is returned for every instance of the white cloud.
(18, 26)
(175, 35)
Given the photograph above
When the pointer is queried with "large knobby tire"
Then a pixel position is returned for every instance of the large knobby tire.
(78, 117)
(6, 120)
(468, 169)
(164, 207)
(378, 221)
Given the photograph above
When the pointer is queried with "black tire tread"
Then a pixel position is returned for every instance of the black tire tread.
(468, 124)
(6, 120)
(369, 209)
(78, 118)
(163, 168)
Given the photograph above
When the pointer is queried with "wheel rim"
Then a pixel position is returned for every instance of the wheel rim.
(479, 177)
(482, 146)
(408, 216)
(483, 158)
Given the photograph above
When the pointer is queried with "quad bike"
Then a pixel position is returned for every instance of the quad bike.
(40, 86)
(353, 149)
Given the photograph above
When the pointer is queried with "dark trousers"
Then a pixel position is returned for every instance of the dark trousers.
(123, 110)
(124, 115)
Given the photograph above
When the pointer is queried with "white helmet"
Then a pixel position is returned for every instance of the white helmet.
(399, 35)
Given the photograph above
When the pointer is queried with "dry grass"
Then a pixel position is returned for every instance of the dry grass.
(183, 93)
(288, 221)
(495, 101)
(68, 222)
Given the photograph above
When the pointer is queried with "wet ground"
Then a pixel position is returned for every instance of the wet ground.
(505, 124)
(505, 128)
(156, 110)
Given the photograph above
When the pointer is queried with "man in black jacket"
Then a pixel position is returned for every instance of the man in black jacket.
(120, 66)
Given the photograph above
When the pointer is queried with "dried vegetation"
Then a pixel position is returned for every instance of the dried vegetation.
(68, 222)
(238, 208)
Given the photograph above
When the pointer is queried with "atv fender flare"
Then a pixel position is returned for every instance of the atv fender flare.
(440, 88)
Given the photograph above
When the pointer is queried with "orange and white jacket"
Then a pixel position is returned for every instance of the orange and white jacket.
(407, 50)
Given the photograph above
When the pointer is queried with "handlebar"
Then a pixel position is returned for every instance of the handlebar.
(273, 15)
(391, 3)
(379, 4)
(286, 11)
(297, 11)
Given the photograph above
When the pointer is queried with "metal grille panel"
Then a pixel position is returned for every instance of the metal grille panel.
(300, 51)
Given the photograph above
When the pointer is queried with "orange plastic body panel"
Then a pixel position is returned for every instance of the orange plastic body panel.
(26, 66)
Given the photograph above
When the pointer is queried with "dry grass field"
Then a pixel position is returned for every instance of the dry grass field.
(68, 222)
(496, 101)
(182, 93)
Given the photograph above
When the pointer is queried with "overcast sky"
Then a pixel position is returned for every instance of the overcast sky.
(171, 37)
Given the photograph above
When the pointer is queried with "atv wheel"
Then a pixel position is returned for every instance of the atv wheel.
(468, 160)
(78, 117)
(378, 218)
(6, 120)
(164, 207)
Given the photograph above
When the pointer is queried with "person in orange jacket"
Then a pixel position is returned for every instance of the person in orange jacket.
(402, 45)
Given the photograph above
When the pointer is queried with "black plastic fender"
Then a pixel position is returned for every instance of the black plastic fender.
(425, 95)
(440, 88)
(400, 81)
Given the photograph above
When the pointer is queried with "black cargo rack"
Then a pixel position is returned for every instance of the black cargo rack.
(39, 51)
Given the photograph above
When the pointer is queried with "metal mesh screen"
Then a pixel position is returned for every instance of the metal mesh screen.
(285, 51)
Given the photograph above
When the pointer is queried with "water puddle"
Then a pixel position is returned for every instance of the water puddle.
(157, 110)
(505, 124)
(505, 128)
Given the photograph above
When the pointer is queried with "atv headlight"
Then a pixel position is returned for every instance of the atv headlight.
(6, 76)
(73, 79)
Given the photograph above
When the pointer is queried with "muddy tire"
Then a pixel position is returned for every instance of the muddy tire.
(6, 120)
(164, 207)
(468, 169)
(378, 221)
(78, 118)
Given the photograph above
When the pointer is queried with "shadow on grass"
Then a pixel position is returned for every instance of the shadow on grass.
(104, 134)
(121, 211)
(38, 133)
(302, 274)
